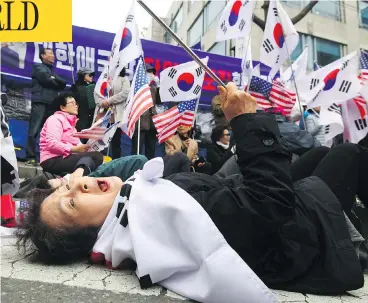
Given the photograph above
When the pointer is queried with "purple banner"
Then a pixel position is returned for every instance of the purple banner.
(90, 48)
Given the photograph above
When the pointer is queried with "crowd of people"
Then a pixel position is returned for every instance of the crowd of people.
(270, 187)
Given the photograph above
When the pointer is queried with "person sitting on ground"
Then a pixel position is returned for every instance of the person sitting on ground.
(293, 236)
(313, 125)
(79, 89)
(59, 150)
(220, 150)
(182, 142)
(298, 140)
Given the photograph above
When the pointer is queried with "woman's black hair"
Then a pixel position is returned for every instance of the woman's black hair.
(218, 132)
(52, 245)
(61, 100)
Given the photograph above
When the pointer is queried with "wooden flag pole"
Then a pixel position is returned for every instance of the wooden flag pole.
(187, 49)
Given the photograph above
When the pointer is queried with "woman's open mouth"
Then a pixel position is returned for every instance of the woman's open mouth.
(103, 185)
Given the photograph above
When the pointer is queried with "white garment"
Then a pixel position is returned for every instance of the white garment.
(225, 146)
(175, 243)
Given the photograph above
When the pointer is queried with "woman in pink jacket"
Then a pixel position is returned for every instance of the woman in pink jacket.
(60, 151)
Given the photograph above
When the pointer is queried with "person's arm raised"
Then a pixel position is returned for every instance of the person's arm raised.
(262, 158)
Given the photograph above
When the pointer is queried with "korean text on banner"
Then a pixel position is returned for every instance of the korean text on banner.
(30, 21)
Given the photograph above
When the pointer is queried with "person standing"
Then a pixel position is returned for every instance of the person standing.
(45, 87)
(80, 91)
(147, 128)
(120, 93)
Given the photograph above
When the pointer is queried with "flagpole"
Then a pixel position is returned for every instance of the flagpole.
(180, 42)
(292, 72)
(139, 134)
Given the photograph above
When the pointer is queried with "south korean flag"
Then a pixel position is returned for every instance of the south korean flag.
(356, 127)
(9, 166)
(182, 82)
(331, 117)
(236, 20)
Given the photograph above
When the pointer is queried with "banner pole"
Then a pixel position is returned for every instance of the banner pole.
(187, 49)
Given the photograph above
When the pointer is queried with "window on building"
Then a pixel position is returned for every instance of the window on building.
(218, 48)
(292, 3)
(298, 50)
(212, 10)
(196, 31)
(331, 9)
(327, 51)
(178, 19)
(363, 8)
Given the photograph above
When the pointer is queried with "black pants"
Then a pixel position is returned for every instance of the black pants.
(148, 138)
(61, 166)
(39, 113)
(343, 168)
(116, 144)
(176, 163)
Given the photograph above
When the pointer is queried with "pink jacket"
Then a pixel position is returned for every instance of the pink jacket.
(56, 138)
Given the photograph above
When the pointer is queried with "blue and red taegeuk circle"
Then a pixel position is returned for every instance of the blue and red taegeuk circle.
(185, 81)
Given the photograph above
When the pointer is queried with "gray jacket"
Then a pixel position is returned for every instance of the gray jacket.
(315, 128)
(120, 93)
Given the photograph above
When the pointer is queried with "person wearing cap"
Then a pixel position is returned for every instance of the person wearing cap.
(45, 87)
(81, 89)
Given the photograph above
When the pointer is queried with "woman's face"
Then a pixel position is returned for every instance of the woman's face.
(71, 107)
(88, 78)
(84, 202)
(183, 130)
(225, 139)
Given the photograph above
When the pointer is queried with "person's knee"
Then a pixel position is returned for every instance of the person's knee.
(97, 157)
(347, 148)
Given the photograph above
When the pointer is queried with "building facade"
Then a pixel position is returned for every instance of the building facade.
(331, 30)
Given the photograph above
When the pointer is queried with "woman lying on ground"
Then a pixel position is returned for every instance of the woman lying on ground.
(59, 150)
(293, 236)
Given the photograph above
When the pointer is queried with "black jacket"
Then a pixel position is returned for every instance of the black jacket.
(44, 88)
(217, 156)
(293, 236)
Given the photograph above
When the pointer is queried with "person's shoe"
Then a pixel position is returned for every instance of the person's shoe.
(31, 162)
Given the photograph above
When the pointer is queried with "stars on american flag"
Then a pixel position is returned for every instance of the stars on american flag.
(141, 79)
(259, 85)
(364, 60)
(189, 105)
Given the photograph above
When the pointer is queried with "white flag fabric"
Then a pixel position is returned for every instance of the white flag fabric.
(364, 90)
(103, 87)
(182, 82)
(236, 20)
(331, 117)
(337, 84)
(297, 70)
(356, 127)
(247, 64)
(100, 145)
(280, 38)
(9, 165)
(129, 48)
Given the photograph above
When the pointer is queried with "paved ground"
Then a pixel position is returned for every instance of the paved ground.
(25, 281)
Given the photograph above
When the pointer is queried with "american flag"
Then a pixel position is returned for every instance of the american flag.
(271, 95)
(360, 102)
(142, 98)
(96, 132)
(167, 122)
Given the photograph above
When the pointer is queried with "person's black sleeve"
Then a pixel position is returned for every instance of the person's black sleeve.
(43, 76)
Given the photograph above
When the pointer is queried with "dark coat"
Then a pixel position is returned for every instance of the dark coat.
(299, 141)
(294, 236)
(217, 156)
(80, 94)
(44, 88)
